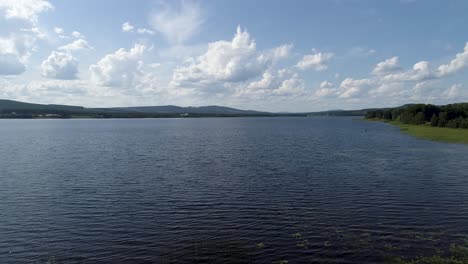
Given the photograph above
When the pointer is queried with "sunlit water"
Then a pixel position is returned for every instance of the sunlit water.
(226, 190)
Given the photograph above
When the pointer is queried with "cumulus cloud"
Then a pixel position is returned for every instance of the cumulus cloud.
(282, 82)
(119, 69)
(60, 65)
(267, 81)
(177, 23)
(293, 86)
(145, 31)
(78, 44)
(58, 30)
(14, 53)
(350, 87)
(77, 34)
(458, 63)
(283, 51)
(28, 10)
(422, 82)
(224, 61)
(46, 91)
(421, 71)
(387, 66)
(35, 31)
(326, 89)
(232, 61)
(453, 92)
(317, 61)
(127, 27)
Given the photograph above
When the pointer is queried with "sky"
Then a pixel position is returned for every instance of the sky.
(266, 55)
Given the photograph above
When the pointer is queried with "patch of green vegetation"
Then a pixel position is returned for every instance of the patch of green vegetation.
(442, 134)
(296, 235)
(458, 254)
(303, 243)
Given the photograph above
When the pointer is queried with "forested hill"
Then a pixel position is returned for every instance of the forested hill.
(15, 109)
(213, 109)
(10, 105)
(361, 112)
(452, 115)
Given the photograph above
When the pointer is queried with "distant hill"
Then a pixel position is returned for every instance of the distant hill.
(361, 112)
(15, 109)
(213, 109)
(10, 105)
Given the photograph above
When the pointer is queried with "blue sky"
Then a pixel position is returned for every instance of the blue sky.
(266, 55)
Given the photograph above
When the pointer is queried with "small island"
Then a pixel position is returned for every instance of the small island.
(447, 123)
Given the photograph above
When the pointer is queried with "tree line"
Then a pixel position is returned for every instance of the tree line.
(452, 115)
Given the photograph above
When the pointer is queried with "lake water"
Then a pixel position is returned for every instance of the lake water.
(226, 190)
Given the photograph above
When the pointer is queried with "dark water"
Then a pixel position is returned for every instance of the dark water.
(233, 190)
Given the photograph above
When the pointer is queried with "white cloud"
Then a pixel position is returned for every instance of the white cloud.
(119, 69)
(78, 44)
(16, 44)
(293, 86)
(127, 27)
(15, 51)
(145, 31)
(458, 63)
(61, 35)
(421, 71)
(455, 91)
(350, 88)
(58, 30)
(28, 10)
(58, 88)
(224, 61)
(326, 89)
(177, 24)
(46, 91)
(317, 61)
(421, 83)
(36, 31)
(60, 65)
(387, 66)
(267, 81)
(282, 82)
(283, 51)
(77, 34)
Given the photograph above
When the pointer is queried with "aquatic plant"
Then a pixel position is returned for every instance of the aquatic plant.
(458, 254)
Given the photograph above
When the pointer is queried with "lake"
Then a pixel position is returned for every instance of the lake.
(226, 190)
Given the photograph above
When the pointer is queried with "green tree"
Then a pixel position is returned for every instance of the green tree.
(406, 117)
(387, 114)
(443, 119)
(419, 119)
(434, 120)
(452, 123)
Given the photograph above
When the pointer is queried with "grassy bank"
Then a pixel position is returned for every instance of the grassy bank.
(441, 134)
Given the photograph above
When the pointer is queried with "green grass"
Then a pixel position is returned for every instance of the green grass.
(442, 134)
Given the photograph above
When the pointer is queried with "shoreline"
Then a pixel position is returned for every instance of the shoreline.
(438, 134)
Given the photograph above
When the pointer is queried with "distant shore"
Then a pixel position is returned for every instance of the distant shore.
(426, 131)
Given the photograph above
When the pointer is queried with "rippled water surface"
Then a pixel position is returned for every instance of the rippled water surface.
(225, 190)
